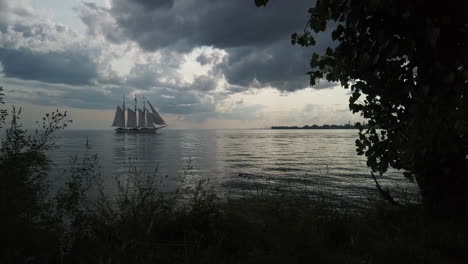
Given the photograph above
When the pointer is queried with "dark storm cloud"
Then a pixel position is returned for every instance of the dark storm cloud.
(153, 4)
(268, 66)
(68, 67)
(257, 40)
(187, 24)
(279, 65)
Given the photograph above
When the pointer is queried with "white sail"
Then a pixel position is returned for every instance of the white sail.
(119, 118)
(156, 118)
(141, 118)
(131, 121)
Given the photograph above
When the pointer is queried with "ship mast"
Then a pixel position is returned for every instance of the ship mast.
(135, 104)
(123, 108)
(144, 110)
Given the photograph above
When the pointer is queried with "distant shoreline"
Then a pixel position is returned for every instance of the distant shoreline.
(316, 127)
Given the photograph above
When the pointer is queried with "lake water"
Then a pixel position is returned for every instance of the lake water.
(234, 161)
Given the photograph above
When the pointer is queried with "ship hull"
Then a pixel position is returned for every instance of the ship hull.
(142, 130)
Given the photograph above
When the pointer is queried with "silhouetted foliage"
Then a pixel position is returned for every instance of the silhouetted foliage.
(3, 112)
(27, 222)
(406, 63)
(261, 2)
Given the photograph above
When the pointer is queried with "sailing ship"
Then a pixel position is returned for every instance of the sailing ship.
(148, 121)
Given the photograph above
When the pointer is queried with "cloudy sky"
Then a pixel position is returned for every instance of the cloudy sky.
(203, 63)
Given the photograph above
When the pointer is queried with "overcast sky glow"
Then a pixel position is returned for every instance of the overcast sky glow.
(204, 63)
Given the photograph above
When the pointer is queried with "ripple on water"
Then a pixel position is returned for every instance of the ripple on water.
(232, 158)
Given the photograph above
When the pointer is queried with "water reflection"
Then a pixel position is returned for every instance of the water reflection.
(230, 158)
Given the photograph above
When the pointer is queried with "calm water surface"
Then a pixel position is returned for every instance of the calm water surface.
(233, 160)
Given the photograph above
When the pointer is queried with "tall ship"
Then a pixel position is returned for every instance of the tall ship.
(138, 120)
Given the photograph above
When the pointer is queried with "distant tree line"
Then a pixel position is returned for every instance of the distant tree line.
(326, 126)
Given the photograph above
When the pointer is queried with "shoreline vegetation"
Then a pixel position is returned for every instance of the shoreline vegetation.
(142, 223)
